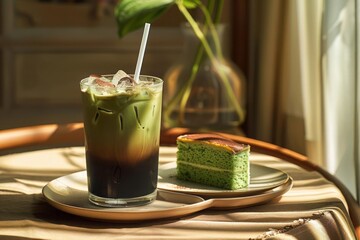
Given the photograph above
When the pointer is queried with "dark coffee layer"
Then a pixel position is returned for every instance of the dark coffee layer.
(117, 179)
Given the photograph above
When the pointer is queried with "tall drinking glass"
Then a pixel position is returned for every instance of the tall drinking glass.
(122, 135)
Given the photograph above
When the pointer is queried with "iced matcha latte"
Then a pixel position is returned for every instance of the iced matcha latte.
(122, 130)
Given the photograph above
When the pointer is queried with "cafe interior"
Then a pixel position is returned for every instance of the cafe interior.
(280, 76)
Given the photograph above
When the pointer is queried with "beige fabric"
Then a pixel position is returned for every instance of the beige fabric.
(24, 214)
(307, 26)
(277, 113)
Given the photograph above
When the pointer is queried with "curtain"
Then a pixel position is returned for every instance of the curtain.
(276, 114)
(338, 58)
(304, 84)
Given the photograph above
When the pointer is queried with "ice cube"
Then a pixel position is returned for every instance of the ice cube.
(119, 76)
(101, 86)
(124, 85)
(87, 82)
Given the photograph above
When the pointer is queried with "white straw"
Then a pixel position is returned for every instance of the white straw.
(141, 52)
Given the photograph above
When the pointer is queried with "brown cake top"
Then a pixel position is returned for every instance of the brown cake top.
(216, 140)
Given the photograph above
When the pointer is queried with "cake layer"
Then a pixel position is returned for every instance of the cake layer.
(216, 178)
(214, 140)
(213, 156)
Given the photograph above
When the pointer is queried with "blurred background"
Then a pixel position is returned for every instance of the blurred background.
(47, 47)
(299, 60)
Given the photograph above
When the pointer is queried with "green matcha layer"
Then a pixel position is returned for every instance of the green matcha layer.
(213, 160)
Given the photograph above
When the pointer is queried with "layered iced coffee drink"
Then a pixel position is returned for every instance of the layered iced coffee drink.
(122, 129)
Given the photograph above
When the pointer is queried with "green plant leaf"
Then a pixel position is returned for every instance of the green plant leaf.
(190, 4)
(133, 14)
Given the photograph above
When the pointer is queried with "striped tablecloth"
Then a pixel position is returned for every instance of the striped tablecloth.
(313, 209)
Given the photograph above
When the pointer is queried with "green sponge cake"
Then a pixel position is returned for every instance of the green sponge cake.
(213, 160)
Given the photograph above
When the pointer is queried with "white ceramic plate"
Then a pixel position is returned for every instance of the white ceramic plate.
(261, 179)
(69, 194)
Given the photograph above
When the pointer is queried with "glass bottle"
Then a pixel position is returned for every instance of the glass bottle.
(214, 99)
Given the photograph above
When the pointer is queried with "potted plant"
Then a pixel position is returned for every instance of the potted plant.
(209, 93)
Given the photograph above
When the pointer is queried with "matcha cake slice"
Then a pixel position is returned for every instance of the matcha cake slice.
(213, 160)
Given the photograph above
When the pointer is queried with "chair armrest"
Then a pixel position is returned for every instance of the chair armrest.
(42, 136)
